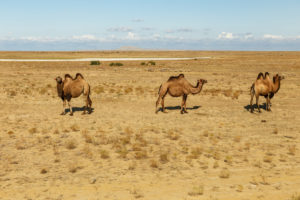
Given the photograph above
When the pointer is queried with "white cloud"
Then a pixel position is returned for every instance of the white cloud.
(132, 36)
(269, 36)
(120, 29)
(84, 37)
(225, 35)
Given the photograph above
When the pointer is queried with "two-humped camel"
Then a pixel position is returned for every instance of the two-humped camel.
(264, 86)
(72, 88)
(177, 86)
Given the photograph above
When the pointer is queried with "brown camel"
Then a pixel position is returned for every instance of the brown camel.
(263, 86)
(178, 86)
(72, 88)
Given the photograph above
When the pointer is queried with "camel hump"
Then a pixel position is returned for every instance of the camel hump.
(79, 75)
(176, 77)
(260, 75)
(267, 74)
(68, 76)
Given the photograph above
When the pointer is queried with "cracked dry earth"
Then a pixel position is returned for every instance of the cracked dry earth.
(123, 150)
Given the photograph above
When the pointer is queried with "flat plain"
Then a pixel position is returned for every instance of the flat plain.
(123, 150)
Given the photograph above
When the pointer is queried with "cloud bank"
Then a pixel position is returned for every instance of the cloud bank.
(223, 41)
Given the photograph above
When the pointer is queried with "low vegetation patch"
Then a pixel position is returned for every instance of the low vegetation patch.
(116, 64)
(95, 62)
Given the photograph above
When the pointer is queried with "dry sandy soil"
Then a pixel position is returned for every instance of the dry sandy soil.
(123, 150)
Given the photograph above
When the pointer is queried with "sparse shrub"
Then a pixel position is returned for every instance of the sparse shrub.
(237, 138)
(43, 91)
(128, 90)
(228, 159)
(216, 164)
(195, 153)
(88, 138)
(153, 164)
(141, 154)
(95, 62)
(239, 188)
(75, 127)
(116, 64)
(172, 135)
(12, 93)
(164, 158)
(21, 144)
(56, 131)
(10, 133)
(224, 173)
(197, 190)
(267, 159)
(71, 144)
(143, 63)
(33, 130)
(151, 63)
(104, 154)
(132, 165)
(292, 150)
(44, 171)
(295, 197)
(98, 89)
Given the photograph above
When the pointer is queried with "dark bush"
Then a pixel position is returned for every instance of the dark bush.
(95, 62)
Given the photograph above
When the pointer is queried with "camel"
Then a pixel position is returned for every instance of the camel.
(264, 86)
(72, 88)
(177, 86)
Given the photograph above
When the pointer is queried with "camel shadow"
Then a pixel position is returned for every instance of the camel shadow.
(178, 108)
(77, 109)
(263, 106)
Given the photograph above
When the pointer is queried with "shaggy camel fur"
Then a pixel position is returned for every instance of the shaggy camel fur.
(71, 88)
(178, 86)
(263, 86)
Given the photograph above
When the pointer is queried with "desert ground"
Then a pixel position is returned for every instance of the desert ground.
(123, 150)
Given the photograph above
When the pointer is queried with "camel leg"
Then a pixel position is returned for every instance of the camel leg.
(64, 105)
(251, 102)
(268, 105)
(86, 105)
(163, 105)
(70, 107)
(90, 104)
(185, 98)
(157, 103)
(257, 97)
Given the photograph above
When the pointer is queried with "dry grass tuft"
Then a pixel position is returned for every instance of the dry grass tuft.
(21, 144)
(197, 190)
(43, 171)
(153, 164)
(75, 127)
(292, 150)
(98, 89)
(172, 135)
(33, 130)
(71, 144)
(267, 158)
(104, 154)
(195, 153)
(163, 157)
(87, 137)
(141, 154)
(224, 173)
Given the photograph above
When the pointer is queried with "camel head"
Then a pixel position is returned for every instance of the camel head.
(58, 80)
(277, 77)
(202, 81)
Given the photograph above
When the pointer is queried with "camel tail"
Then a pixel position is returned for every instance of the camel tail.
(252, 90)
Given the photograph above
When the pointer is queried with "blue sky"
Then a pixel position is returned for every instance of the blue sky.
(151, 24)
